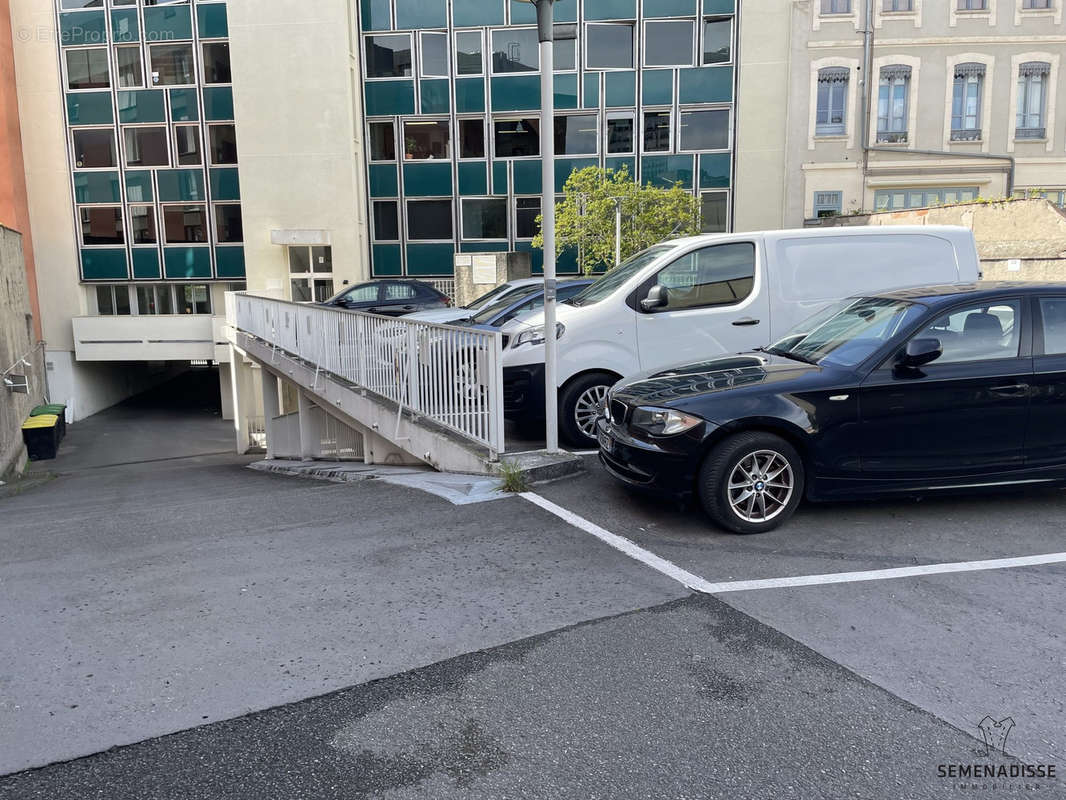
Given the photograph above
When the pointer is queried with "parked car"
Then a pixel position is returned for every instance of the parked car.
(443, 316)
(523, 300)
(699, 297)
(391, 298)
(910, 392)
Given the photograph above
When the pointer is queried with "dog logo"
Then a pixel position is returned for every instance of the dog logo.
(995, 734)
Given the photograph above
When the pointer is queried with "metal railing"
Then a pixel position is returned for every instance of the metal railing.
(450, 375)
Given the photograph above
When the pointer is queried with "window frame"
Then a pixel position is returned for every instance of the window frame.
(67, 51)
(888, 135)
(1040, 325)
(82, 244)
(492, 50)
(837, 207)
(507, 118)
(654, 279)
(966, 6)
(373, 220)
(728, 215)
(216, 223)
(480, 32)
(116, 154)
(459, 120)
(972, 76)
(701, 44)
(366, 54)
(141, 62)
(211, 126)
(1021, 132)
(162, 233)
(150, 71)
(205, 43)
(671, 127)
(175, 152)
(167, 135)
(676, 143)
(1023, 319)
(578, 113)
(421, 53)
(424, 120)
(908, 10)
(633, 45)
(406, 230)
(514, 219)
(831, 129)
(634, 138)
(462, 218)
(833, 11)
(370, 142)
(695, 59)
(155, 225)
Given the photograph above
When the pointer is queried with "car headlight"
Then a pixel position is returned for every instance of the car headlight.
(662, 421)
(536, 335)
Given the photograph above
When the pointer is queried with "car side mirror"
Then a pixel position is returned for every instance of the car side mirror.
(658, 296)
(920, 352)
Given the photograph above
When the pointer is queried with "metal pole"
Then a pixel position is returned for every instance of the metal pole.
(617, 231)
(547, 148)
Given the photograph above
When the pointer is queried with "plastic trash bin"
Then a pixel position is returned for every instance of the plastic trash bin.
(41, 435)
(59, 410)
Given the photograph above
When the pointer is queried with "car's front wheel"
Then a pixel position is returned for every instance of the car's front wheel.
(580, 404)
(751, 482)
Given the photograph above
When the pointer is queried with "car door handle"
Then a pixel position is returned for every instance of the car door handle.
(1013, 390)
(745, 321)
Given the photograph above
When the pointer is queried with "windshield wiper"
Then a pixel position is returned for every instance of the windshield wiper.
(786, 354)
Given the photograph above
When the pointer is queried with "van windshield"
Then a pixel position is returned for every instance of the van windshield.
(606, 285)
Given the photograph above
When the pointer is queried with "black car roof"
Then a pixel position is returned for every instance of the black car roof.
(948, 293)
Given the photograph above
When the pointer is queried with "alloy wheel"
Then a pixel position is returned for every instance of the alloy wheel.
(588, 408)
(760, 486)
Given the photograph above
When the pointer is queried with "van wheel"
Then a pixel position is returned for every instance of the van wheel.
(751, 482)
(580, 405)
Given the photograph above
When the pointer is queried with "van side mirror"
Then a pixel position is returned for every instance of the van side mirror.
(658, 296)
(920, 352)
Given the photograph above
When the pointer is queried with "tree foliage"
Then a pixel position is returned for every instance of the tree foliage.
(585, 219)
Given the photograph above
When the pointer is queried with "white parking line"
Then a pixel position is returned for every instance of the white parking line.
(698, 584)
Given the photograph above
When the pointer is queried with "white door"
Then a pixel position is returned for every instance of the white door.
(716, 303)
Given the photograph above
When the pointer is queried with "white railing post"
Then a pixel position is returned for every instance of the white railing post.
(496, 396)
(413, 401)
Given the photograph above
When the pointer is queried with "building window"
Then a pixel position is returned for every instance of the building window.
(966, 102)
(386, 221)
(831, 114)
(564, 55)
(516, 138)
(94, 148)
(185, 224)
(216, 63)
(87, 69)
(146, 147)
(172, 64)
(187, 145)
(382, 141)
(101, 225)
(717, 41)
(620, 133)
(714, 212)
(130, 71)
(142, 224)
(426, 139)
(1027, 4)
(973, 5)
(892, 104)
(193, 298)
(892, 6)
(609, 46)
(429, 220)
(468, 53)
(836, 6)
(223, 143)
(311, 273)
(526, 211)
(154, 300)
(669, 43)
(576, 135)
(434, 55)
(704, 130)
(389, 56)
(515, 50)
(1032, 98)
(113, 300)
(229, 227)
(472, 138)
(828, 204)
(901, 199)
(484, 218)
(657, 130)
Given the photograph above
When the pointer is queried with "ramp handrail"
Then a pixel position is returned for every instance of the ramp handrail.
(451, 375)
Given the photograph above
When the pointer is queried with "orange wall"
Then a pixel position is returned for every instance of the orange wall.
(14, 207)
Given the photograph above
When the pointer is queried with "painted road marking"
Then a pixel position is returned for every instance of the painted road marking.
(698, 584)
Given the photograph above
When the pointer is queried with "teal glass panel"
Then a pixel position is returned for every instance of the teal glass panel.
(376, 16)
(187, 262)
(383, 182)
(527, 177)
(435, 96)
(90, 108)
(104, 264)
(430, 259)
(180, 185)
(427, 180)
(387, 260)
(167, 23)
(386, 98)
(564, 166)
(523, 13)
(516, 93)
(473, 178)
(670, 8)
(592, 90)
(715, 171)
(146, 263)
(144, 106)
(124, 25)
(658, 88)
(96, 187)
(139, 187)
(618, 163)
(483, 247)
(229, 262)
(565, 10)
(82, 27)
(719, 6)
(225, 184)
(183, 105)
(706, 85)
(474, 13)
(211, 21)
(218, 102)
(499, 177)
(667, 170)
(620, 89)
(470, 95)
(566, 91)
(421, 14)
(612, 9)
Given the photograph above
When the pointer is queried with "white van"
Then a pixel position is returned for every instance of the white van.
(693, 298)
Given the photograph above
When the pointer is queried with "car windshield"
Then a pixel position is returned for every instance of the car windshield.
(485, 315)
(489, 297)
(606, 285)
(847, 332)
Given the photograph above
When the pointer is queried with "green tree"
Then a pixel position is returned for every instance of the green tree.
(585, 219)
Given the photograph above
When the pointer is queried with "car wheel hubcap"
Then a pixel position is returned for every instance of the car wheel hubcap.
(588, 408)
(761, 486)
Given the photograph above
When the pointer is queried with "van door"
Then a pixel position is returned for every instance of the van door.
(715, 304)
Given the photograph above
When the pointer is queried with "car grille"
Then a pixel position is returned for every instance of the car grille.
(618, 411)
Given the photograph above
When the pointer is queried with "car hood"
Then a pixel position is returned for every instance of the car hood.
(534, 319)
(439, 316)
(676, 383)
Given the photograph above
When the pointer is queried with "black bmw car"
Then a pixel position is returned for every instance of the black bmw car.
(943, 388)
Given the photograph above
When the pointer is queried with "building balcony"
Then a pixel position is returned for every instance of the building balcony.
(892, 137)
(163, 337)
(966, 135)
